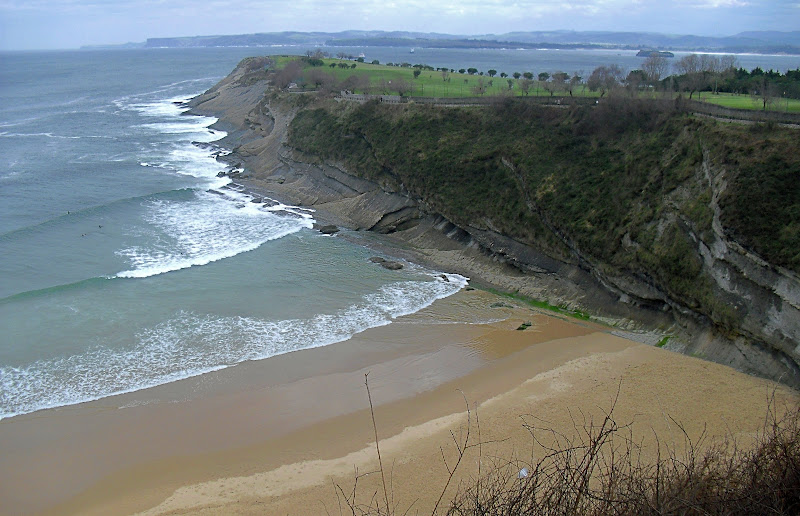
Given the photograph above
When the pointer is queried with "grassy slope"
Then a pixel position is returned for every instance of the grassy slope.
(622, 183)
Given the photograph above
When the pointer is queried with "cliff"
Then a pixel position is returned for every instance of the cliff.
(633, 211)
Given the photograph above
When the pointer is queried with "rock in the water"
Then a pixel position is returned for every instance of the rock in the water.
(329, 229)
(377, 259)
(524, 326)
(445, 278)
(468, 289)
(392, 266)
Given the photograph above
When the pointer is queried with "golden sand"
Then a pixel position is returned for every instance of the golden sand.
(285, 435)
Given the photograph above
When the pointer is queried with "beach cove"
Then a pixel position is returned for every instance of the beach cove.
(274, 436)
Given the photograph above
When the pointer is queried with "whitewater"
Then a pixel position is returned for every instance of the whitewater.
(130, 261)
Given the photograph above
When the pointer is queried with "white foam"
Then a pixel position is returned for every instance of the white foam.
(191, 344)
(203, 230)
(5, 134)
(193, 161)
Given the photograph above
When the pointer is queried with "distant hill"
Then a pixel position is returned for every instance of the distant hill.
(766, 42)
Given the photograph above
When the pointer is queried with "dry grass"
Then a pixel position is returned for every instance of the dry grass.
(599, 467)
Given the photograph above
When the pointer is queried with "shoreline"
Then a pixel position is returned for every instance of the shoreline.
(119, 432)
(277, 431)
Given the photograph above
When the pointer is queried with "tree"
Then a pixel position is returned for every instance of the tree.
(517, 75)
(765, 91)
(401, 86)
(320, 79)
(510, 83)
(690, 68)
(417, 72)
(376, 62)
(525, 86)
(503, 75)
(288, 74)
(528, 75)
(479, 88)
(605, 78)
(491, 73)
(355, 83)
(462, 70)
(559, 81)
(654, 68)
(726, 69)
(317, 53)
(472, 71)
(543, 77)
(634, 80)
(575, 81)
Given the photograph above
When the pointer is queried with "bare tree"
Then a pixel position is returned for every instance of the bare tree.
(559, 81)
(766, 92)
(320, 79)
(605, 78)
(525, 86)
(401, 86)
(655, 68)
(575, 81)
(691, 68)
(726, 67)
(356, 83)
(288, 74)
(480, 87)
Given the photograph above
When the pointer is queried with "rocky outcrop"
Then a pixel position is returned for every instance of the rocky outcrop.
(766, 299)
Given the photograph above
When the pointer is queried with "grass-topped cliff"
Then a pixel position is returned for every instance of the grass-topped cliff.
(613, 207)
(627, 188)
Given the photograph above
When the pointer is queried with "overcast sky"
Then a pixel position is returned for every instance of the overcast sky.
(38, 24)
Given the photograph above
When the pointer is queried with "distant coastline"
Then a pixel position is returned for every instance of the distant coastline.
(787, 43)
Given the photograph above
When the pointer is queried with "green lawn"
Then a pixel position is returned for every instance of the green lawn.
(433, 84)
(730, 100)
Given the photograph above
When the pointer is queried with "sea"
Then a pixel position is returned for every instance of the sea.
(127, 262)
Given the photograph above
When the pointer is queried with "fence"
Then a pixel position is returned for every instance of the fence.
(706, 108)
(694, 106)
(465, 101)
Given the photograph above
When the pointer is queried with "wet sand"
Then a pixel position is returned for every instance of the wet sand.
(275, 436)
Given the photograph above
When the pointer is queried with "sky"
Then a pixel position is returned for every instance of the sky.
(56, 24)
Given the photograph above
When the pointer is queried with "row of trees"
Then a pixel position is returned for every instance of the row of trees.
(691, 74)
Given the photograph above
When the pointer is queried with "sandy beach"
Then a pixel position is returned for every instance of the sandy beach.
(278, 436)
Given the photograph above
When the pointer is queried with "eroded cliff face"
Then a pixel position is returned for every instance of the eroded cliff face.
(754, 326)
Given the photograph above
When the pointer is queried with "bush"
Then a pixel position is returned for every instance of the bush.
(599, 471)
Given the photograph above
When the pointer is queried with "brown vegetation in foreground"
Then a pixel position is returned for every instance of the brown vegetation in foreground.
(599, 468)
